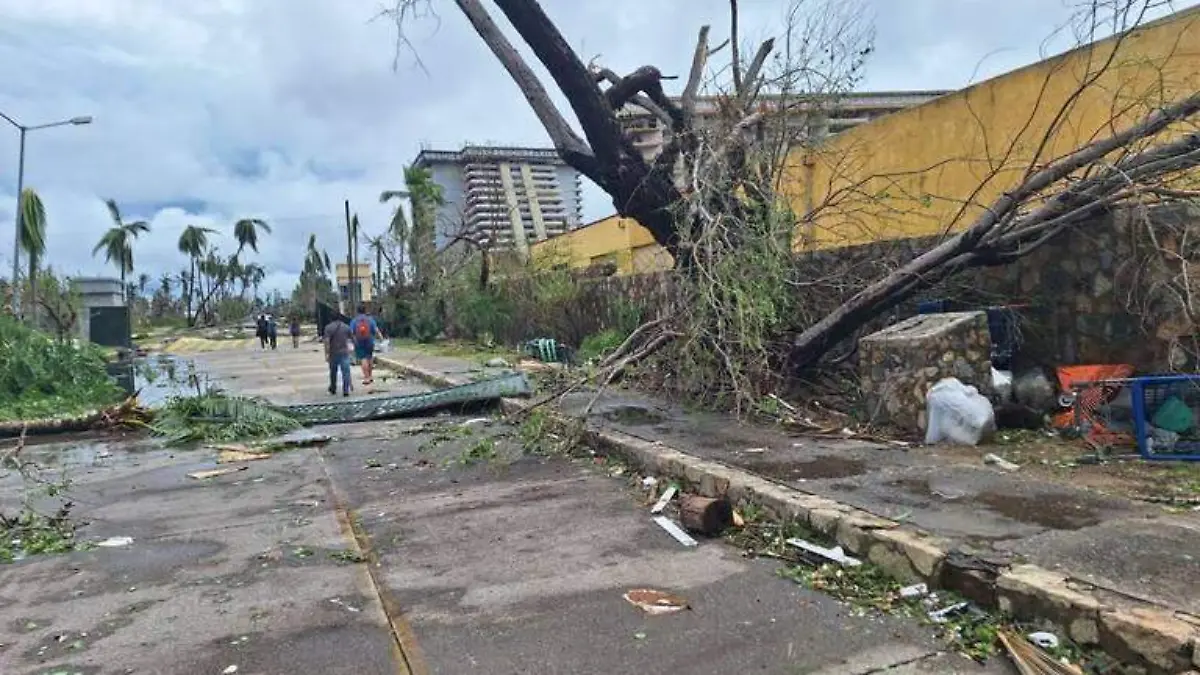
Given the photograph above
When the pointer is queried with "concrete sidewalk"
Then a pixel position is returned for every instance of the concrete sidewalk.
(1108, 570)
(401, 548)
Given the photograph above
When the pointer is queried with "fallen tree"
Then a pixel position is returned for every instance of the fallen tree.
(710, 196)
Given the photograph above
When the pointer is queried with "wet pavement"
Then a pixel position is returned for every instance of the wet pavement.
(1133, 548)
(402, 546)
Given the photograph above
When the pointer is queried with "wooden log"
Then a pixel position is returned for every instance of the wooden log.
(705, 515)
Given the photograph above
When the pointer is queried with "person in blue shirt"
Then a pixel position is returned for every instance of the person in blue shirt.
(365, 329)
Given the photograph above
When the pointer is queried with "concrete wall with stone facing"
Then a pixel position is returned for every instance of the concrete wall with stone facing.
(899, 364)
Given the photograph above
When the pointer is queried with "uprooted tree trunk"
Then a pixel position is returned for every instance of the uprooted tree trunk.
(720, 179)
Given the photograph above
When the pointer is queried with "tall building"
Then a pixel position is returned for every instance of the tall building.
(819, 118)
(512, 197)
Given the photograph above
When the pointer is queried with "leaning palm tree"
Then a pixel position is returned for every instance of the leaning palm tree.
(398, 230)
(117, 242)
(192, 243)
(425, 197)
(33, 240)
(245, 231)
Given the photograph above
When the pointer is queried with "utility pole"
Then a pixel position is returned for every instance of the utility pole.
(349, 261)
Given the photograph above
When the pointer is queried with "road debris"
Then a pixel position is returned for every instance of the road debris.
(213, 473)
(944, 614)
(230, 670)
(914, 591)
(115, 542)
(1031, 660)
(229, 454)
(665, 499)
(1044, 639)
(705, 515)
(998, 461)
(649, 482)
(675, 531)
(835, 554)
(655, 602)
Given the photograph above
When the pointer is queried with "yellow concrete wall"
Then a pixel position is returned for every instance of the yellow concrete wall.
(934, 167)
(614, 238)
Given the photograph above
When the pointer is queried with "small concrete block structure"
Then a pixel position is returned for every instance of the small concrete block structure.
(899, 364)
(96, 292)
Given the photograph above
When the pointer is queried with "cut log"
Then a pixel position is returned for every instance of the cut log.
(705, 515)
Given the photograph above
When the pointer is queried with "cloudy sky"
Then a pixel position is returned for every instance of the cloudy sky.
(206, 112)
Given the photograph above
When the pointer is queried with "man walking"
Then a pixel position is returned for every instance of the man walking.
(365, 331)
(337, 353)
(272, 330)
(294, 329)
(260, 330)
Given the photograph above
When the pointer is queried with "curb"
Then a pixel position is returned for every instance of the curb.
(1159, 639)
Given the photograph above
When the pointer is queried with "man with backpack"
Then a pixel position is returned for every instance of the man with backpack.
(365, 330)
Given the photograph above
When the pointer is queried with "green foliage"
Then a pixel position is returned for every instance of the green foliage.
(217, 418)
(41, 377)
(743, 304)
(599, 344)
(30, 533)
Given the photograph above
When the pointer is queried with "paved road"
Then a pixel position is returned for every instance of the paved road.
(480, 559)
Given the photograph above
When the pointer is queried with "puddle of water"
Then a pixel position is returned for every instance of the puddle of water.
(824, 466)
(161, 377)
(632, 414)
(1053, 511)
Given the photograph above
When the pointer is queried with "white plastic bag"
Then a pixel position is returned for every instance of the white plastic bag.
(384, 346)
(1002, 384)
(957, 413)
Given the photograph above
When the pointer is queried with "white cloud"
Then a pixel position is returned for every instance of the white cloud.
(208, 112)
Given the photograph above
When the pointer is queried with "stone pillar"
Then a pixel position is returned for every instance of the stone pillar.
(899, 364)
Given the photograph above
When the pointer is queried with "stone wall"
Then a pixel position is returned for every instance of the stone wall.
(899, 364)
(1073, 294)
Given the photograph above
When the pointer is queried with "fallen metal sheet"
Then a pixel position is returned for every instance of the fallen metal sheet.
(835, 554)
(363, 409)
(665, 499)
(676, 531)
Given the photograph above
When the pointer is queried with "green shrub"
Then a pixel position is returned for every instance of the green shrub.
(41, 377)
(599, 344)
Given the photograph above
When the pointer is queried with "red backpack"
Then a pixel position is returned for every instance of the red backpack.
(362, 329)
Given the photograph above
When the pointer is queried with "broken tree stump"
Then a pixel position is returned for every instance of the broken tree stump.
(705, 515)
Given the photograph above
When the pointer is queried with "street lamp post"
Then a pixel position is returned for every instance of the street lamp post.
(23, 129)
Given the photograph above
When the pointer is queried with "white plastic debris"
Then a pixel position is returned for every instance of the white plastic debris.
(835, 554)
(665, 499)
(957, 413)
(115, 542)
(1002, 384)
(675, 531)
(230, 670)
(997, 460)
(941, 615)
(649, 481)
(1043, 639)
(914, 591)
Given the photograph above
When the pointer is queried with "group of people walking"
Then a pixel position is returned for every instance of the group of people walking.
(340, 337)
(267, 331)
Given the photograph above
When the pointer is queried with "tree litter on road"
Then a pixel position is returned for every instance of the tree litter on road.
(655, 602)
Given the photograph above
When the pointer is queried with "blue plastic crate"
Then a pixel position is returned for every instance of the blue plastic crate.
(1151, 395)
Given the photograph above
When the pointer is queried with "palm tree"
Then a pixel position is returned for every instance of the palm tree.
(316, 261)
(33, 240)
(397, 230)
(117, 242)
(192, 243)
(245, 231)
(142, 282)
(425, 197)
